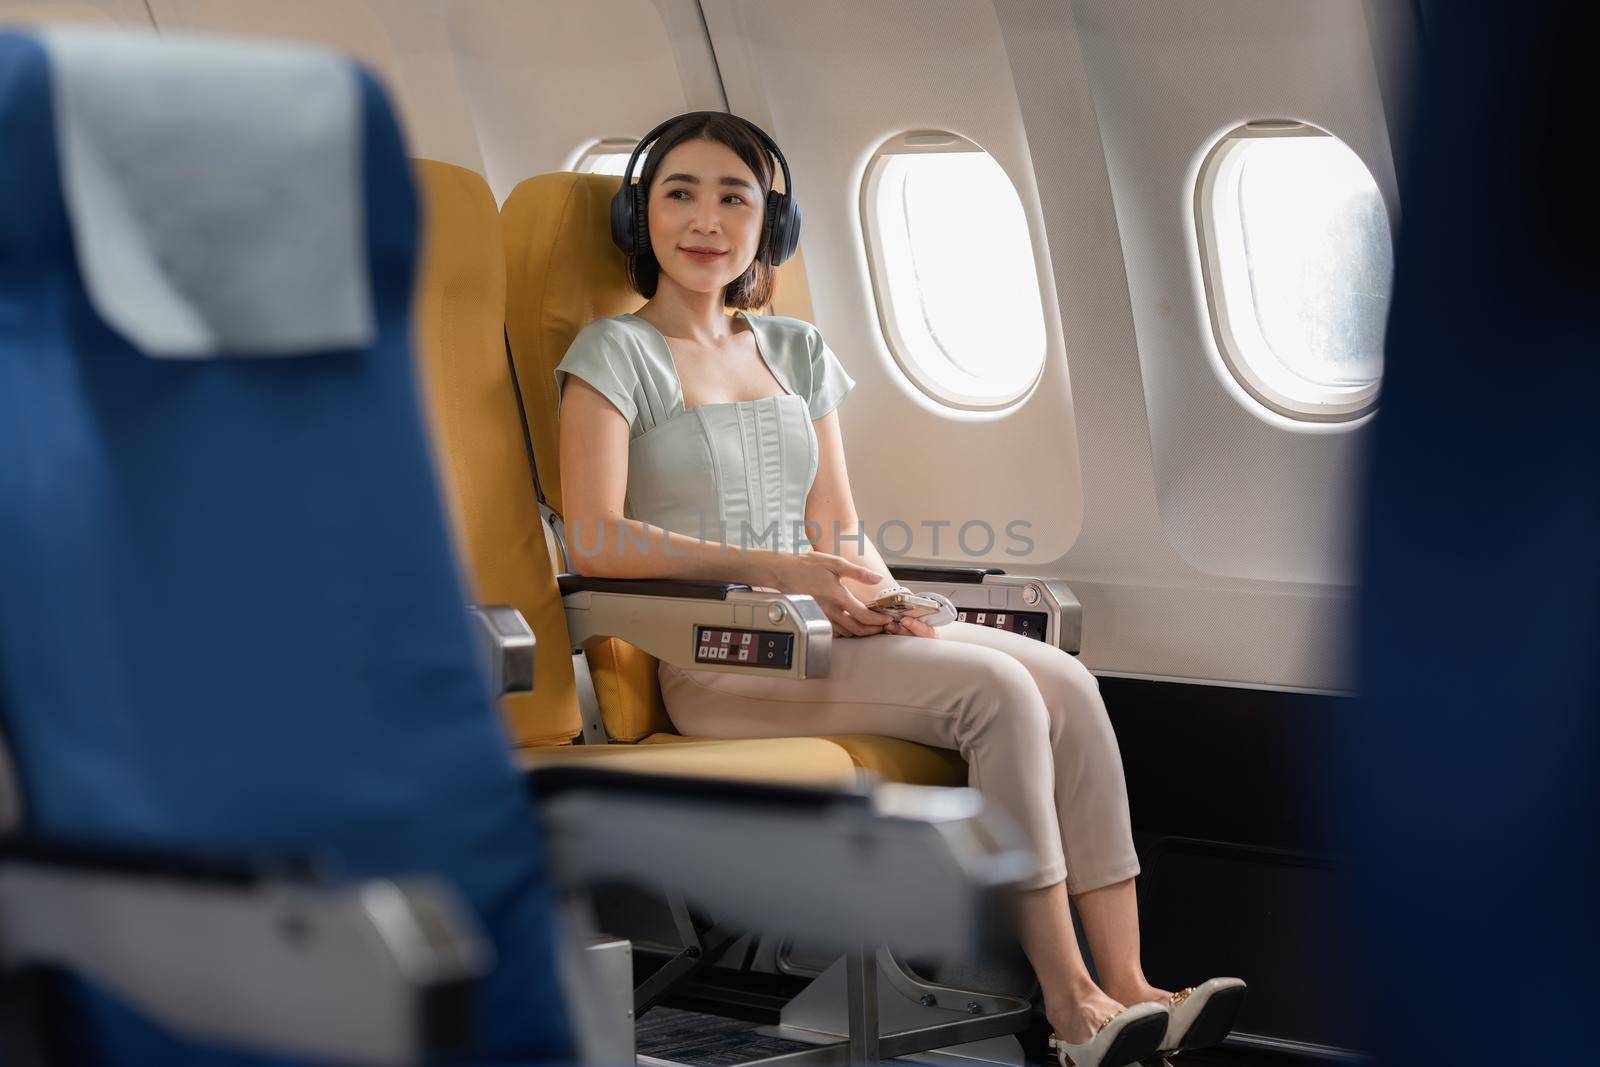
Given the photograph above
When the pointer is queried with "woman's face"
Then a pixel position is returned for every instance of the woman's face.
(705, 213)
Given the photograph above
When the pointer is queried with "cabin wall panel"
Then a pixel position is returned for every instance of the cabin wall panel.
(507, 88)
(691, 48)
(404, 42)
(832, 80)
(546, 79)
(1122, 540)
(1243, 492)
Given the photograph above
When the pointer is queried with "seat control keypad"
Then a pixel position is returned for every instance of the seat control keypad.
(747, 648)
(1027, 623)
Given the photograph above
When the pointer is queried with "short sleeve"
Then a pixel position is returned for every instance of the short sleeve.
(598, 360)
(829, 382)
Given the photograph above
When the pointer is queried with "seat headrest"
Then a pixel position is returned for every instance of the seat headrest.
(562, 272)
(214, 191)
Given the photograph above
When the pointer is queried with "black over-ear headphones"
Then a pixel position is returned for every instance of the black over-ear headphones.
(780, 231)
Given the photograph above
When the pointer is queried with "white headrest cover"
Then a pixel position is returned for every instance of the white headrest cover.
(215, 191)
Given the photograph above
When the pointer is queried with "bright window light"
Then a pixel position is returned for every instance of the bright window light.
(609, 157)
(1299, 263)
(953, 269)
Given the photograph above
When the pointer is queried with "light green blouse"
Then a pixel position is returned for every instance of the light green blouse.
(738, 473)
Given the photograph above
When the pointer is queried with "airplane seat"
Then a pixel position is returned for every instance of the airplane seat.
(484, 459)
(479, 445)
(211, 449)
(562, 271)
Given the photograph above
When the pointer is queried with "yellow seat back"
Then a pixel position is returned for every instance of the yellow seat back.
(479, 441)
(562, 271)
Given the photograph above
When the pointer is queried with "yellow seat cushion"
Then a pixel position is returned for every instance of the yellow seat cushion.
(807, 761)
(893, 759)
(627, 689)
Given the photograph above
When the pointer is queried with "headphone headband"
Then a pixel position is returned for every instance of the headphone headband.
(780, 229)
(761, 135)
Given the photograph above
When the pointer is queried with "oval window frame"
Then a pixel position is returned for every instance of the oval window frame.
(917, 142)
(1221, 258)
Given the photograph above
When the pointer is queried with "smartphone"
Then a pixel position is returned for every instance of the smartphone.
(905, 605)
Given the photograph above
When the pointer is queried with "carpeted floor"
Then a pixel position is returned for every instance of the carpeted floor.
(712, 1041)
(709, 1040)
(701, 1040)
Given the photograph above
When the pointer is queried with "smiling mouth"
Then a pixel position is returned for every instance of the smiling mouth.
(704, 251)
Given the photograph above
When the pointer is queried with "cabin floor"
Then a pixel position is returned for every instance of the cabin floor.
(677, 1036)
(691, 1037)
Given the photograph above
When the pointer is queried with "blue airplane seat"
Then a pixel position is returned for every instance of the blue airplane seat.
(231, 616)
(1469, 772)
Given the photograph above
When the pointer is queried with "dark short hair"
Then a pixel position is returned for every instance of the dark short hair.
(753, 288)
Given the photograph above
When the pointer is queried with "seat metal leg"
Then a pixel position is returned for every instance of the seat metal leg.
(912, 1016)
(697, 953)
(861, 994)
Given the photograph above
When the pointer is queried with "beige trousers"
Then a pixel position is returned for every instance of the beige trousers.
(1026, 716)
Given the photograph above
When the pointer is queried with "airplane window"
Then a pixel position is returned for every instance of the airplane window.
(608, 157)
(953, 269)
(1298, 262)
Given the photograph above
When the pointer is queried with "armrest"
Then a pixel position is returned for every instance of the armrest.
(923, 869)
(715, 626)
(578, 583)
(506, 643)
(1042, 608)
(245, 955)
(935, 573)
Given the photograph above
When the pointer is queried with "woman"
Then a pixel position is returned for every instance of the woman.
(679, 421)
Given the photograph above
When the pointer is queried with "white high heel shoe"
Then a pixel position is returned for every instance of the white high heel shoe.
(1126, 1037)
(1201, 1016)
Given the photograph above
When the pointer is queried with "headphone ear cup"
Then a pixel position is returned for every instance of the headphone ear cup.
(791, 226)
(770, 224)
(622, 227)
(782, 234)
(641, 221)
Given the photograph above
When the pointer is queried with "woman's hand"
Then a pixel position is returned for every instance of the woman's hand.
(817, 575)
(910, 628)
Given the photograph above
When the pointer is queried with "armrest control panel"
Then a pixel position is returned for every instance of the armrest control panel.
(1043, 609)
(1032, 624)
(703, 625)
(749, 648)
